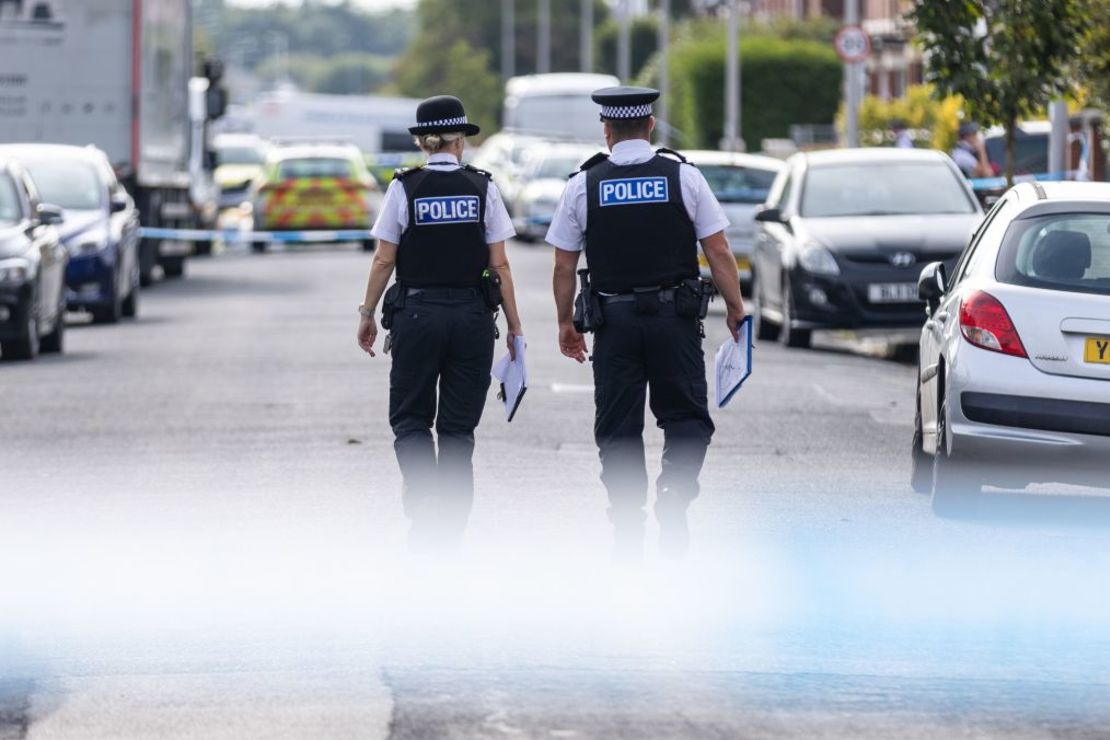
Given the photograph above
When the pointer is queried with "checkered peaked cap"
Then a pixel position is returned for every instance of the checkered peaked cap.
(442, 114)
(625, 102)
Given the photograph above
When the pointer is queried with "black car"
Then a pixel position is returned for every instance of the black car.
(32, 269)
(844, 233)
(100, 227)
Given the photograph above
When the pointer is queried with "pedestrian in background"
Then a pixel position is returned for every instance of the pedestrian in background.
(970, 152)
(902, 138)
(638, 214)
(443, 226)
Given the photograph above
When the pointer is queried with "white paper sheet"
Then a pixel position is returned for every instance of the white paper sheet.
(513, 377)
(734, 363)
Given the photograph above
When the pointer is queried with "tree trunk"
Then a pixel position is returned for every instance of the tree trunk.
(1011, 129)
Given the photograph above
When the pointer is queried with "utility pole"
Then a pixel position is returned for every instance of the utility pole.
(543, 37)
(586, 36)
(1058, 138)
(624, 46)
(508, 39)
(662, 111)
(851, 82)
(732, 141)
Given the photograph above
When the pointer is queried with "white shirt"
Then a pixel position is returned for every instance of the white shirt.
(568, 225)
(394, 216)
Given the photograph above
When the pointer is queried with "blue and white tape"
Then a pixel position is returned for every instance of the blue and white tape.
(235, 235)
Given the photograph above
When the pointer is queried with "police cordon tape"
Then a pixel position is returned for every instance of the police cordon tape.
(235, 235)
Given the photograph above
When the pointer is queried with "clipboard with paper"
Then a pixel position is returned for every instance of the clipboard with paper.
(734, 363)
(512, 374)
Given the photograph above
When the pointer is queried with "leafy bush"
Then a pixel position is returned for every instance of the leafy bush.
(932, 122)
(782, 82)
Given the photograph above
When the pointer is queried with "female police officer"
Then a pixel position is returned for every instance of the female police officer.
(443, 226)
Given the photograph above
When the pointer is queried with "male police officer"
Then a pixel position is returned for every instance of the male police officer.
(639, 216)
(444, 226)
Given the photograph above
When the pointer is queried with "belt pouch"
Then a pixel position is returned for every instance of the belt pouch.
(647, 300)
(687, 299)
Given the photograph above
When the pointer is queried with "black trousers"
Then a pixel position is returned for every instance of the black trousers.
(442, 356)
(661, 352)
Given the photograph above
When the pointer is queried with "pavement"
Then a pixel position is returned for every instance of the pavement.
(201, 537)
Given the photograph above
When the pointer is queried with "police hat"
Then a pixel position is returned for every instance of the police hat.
(442, 114)
(625, 102)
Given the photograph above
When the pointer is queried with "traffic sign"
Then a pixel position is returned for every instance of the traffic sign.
(852, 44)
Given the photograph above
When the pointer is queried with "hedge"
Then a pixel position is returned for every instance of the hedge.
(783, 82)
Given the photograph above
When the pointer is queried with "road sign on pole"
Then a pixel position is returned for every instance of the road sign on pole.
(852, 44)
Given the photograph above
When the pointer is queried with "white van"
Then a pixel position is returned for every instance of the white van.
(555, 105)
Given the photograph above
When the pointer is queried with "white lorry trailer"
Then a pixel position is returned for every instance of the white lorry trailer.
(114, 73)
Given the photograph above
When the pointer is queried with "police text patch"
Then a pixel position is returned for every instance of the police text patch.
(633, 190)
(446, 209)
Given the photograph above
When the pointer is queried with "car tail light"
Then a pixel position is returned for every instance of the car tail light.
(985, 323)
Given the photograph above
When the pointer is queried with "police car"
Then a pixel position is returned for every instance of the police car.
(741, 183)
(312, 187)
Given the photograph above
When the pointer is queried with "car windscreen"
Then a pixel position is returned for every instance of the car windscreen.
(558, 168)
(733, 184)
(299, 169)
(69, 184)
(238, 155)
(883, 189)
(9, 201)
(1064, 251)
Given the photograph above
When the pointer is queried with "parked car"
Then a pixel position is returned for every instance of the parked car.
(32, 269)
(503, 155)
(239, 160)
(1014, 376)
(741, 183)
(100, 226)
(543, 177)
(312, 186)
(843, 234)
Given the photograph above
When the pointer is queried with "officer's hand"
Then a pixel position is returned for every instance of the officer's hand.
(571, 343)
(511, 337)
(367, 333)
(733, 319)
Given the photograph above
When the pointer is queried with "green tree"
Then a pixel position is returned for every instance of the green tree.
(1094, 62)
(1006, 58)
(643, 37)
(458, 69)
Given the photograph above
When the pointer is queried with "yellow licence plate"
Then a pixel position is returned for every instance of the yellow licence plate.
(742, 263)
(1097, 350)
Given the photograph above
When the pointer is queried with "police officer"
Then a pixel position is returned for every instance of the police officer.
(639, 215)
(970, 152)
(443, 226)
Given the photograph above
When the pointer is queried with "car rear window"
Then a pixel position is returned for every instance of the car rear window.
(297, 169)
(883, 189)
(9, 201)
(738, 184)
(1064, 251)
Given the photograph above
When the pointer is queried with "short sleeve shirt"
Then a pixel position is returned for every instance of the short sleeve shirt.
(394, 216)
(568, 225)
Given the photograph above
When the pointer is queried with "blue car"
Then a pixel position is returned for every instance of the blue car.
(100, 227)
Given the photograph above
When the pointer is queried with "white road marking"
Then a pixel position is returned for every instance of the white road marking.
(572, 388)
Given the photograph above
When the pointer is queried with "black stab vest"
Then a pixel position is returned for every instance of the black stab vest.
(444, 244)
(638, 233)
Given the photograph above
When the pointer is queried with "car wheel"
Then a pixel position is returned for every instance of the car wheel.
(369, 245)
(954, 480)
(26, 347)
(111, 313)
(792, 336)
(130, 306)
(202, 248)
(173, 267)
(921, 467)
(260, 247)
(765, 331)
(148, 251)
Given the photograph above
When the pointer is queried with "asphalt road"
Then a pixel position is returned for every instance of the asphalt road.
(201, 537)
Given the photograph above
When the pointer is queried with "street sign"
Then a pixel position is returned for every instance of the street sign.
(852, 44)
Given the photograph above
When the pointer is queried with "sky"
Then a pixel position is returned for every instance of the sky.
(369, 4)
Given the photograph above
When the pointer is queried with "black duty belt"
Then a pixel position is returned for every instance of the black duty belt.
(450, 293)
(666, 295)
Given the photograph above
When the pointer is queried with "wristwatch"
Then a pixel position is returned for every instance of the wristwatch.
(366, 311)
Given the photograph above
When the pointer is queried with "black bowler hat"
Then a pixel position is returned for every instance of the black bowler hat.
(625, 102)
(442, 114)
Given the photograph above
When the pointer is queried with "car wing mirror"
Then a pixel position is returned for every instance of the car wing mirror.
(117, 202)
(932, 284)
(49, 215)
(770, 215)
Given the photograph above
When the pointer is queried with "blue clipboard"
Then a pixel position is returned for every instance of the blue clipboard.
(734, 363)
